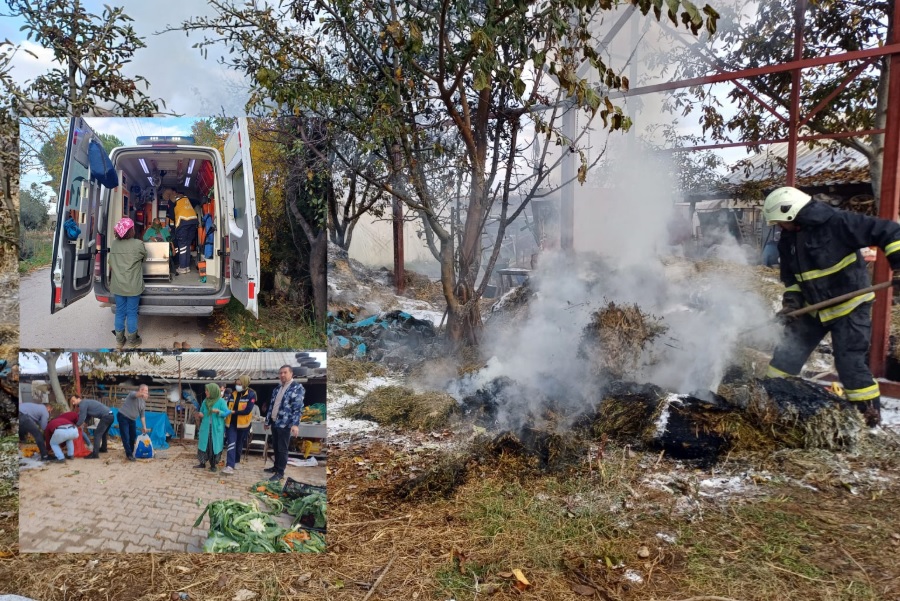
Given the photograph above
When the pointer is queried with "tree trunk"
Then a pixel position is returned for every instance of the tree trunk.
(464, 322)
(50, 358)
(876, 160)
(318, 258)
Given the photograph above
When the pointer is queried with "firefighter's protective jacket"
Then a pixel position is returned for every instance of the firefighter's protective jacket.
(822, 260)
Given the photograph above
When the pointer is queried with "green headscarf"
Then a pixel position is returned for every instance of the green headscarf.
(212, 395)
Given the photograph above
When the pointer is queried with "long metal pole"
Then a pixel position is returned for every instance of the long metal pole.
(816, 61)
(890, 201)
(75, 375)
(796, 74)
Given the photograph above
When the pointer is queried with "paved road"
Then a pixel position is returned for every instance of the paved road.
(88, 325)
(155, 501)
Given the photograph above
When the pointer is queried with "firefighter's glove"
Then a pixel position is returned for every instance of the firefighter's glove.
(790, 303)
(895, 284)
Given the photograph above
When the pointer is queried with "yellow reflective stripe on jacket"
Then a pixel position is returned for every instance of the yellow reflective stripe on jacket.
(863, 394)
(892, 247)
(794, 288)
(774, 372)
(821, 273)
(845, 307)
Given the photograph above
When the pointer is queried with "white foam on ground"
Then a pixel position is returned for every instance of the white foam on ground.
(420, 310)
(337, 424)
(663, 420)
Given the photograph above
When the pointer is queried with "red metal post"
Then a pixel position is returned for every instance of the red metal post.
(75, 376)
(796, 75)
(398, 245)
(890, 200)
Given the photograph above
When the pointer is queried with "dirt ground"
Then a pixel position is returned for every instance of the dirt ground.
(824, 528)
(149, 505)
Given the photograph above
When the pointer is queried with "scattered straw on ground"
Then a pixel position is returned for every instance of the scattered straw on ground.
(342, 370)
(586, 530)
(401, 406)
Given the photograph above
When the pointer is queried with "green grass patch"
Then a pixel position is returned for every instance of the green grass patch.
(36, 251)
(540, 525)
(278, 327)
(460, 583)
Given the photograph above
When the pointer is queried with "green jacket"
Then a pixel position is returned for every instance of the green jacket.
(152, 232)
(217, 423)
(126, 261)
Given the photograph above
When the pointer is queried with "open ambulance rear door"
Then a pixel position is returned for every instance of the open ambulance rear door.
(243, 222)
(78, 201)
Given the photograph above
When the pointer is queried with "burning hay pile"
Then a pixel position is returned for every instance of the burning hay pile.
(401, 406)
(616, 337)
(750, 416)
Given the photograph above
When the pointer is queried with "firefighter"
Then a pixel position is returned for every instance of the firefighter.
(186, 224)
(820, 259)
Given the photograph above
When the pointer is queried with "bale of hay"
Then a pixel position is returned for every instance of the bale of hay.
(800, 414)
(627, 410)
(615, 339)
(402, 406)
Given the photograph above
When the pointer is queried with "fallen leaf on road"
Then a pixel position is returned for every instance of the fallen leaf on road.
(583, 590)
(223, 581)
(244, 595)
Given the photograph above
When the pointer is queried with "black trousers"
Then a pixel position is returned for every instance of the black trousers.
(101, 432)
(281, 437)
(850, 337)
(185, 234)
(28, 426)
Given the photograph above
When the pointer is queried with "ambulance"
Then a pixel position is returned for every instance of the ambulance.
(98, 189)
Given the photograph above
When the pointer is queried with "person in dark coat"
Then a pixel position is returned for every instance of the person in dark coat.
(820, 260)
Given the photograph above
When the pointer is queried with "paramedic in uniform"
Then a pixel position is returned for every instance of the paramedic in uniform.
(186, 224)
(820, 260)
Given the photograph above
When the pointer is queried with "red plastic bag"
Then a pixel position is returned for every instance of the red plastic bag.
(81, 449)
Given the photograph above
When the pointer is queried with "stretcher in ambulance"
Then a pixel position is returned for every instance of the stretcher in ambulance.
(224, 255)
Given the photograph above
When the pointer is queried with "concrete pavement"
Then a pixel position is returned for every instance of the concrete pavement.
(111, 505)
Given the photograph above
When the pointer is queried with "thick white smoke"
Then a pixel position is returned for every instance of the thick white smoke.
(627, 260)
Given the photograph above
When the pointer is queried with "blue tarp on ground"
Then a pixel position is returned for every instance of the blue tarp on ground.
(158, 423)
(373, 336)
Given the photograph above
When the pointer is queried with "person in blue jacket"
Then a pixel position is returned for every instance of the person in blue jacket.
(283, 417)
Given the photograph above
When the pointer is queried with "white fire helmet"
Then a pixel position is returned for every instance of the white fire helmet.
(783, 205)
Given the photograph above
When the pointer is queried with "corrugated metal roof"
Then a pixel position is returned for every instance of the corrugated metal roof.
(830, 165)
(260, 366)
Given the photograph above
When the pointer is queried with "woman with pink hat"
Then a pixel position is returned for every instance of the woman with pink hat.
(126, 257)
